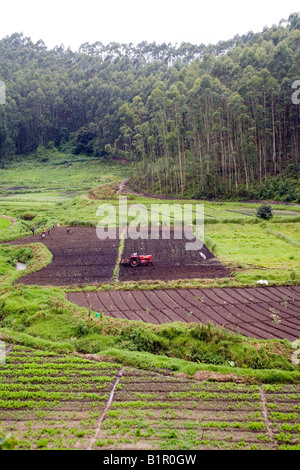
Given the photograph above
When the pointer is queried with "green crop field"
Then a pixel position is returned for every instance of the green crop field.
(55, 395)
(52, 401)
(257, 251)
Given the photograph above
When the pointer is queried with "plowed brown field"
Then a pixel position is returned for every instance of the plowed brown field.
(80, 257)
(263, 313)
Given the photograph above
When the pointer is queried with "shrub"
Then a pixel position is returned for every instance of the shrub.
(28, 216)
(82, 328)
(144, 340)
(93, 343)
(24, 254)
(264, 212)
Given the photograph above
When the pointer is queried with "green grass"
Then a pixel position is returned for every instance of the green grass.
(43, 316)
(257, 253)
(288, 230)
(4, 223)
(54, 189)
(57, 172)
(34, 256)
(178, 366)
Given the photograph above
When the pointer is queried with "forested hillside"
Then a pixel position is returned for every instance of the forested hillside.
(196, 120)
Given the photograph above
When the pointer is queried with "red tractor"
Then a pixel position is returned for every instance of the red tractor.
(137, 260)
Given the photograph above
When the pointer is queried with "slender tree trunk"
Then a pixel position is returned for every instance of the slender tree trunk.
(274, 138)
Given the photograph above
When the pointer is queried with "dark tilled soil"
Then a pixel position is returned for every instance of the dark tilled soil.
(80, 257)
(172, 259)
(263, 312)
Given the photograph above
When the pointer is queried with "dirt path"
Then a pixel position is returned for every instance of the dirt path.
(123, 189)
(263, 313)
(121, 186)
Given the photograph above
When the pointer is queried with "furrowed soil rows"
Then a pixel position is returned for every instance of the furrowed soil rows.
(80, 257)
(50, 401)
(171, 259)
(263, 313)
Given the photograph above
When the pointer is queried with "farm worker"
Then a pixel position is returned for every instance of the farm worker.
(43, 234)
(32, 230)
(52, 226)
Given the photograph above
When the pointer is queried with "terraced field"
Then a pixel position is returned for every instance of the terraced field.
(50, 401)
(152, 411)
(263, 313)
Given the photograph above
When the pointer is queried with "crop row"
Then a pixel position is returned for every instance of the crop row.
(58, 403)
(83, 387)
(39, 372)
(74, 380)
(189, 385)
(190, 395)
(54, 365)
(195, 424)
(37, 416)
(43, 404)
(45, 394)
(10, 359)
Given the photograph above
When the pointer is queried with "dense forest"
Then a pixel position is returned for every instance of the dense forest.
(195, 120)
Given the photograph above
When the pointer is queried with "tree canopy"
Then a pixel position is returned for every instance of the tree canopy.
(203, 120)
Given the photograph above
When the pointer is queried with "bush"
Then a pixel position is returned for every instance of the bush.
(200, 351)
(143, 340)
(82, 328)
(264, 212)
(24, 255)
(28, 216)
(94, 343)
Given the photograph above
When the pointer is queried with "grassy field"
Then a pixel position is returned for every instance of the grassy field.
(56, 172)
(256, 251)
(55, 188)
(4, 223)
